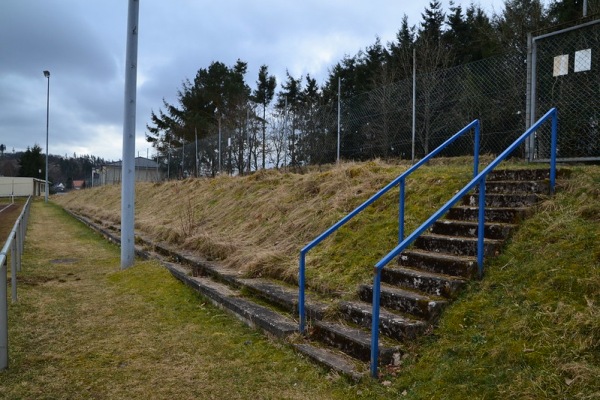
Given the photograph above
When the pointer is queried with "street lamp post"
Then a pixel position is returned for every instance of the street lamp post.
(47, 75)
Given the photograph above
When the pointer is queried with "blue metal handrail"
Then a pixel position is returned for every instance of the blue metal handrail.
(479, 179)
(400, 181)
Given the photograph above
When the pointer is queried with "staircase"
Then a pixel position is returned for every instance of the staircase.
(428, 275)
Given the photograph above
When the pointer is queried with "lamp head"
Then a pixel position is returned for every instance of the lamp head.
(47, 74)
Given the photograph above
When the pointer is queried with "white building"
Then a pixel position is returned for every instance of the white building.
(19, 186)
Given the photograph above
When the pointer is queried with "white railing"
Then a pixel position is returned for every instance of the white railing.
(14, 246)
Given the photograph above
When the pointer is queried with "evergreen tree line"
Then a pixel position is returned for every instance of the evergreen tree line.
(469, 65)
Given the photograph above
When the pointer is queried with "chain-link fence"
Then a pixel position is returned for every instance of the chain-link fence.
(379, 123)
(566, 75)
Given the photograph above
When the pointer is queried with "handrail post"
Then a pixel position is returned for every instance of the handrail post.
(3, 318)
(553, 150)
(476, 150)
(401, 211)
(301, 282)
(375, 322)
(13, 271)
(19, 246)
(481, 227)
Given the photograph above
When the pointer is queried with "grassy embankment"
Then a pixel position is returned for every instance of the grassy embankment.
(530, 329)
(258, 224)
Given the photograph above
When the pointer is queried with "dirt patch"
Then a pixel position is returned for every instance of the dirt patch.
(35, 280)
(7, 219)
(64, 261)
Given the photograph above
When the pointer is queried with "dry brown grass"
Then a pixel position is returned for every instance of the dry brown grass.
(257, 224)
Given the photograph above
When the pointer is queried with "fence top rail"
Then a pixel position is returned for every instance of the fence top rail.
(461, 193)
(12, 234)
(473, 124)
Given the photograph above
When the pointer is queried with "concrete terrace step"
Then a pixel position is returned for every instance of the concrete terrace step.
(523, 174)
(541, 187)
(432, 283)
(461, 246)
(503, 200)
(229, 299)
(333, 359)
(405, 301)
(491, 230)
(391, 324)
(508, 215)
(353, 341)
(284, 297)
(447, 264)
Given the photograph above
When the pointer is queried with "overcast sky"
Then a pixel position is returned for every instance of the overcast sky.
(82, 44)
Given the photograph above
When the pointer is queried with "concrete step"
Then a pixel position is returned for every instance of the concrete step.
(393, 325)
(539, 187)
(460, 246)
(335, 360)
(492, 214)
(494, 230)
(353, 341)
(426, 282)
(503, 200)
(230, 300)
(409, 302)
(284, 297)
(521, 174)
(447, 264)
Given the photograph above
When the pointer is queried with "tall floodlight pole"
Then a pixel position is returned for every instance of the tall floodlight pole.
(197, 166)
(47, 75)
(128, 169)
(339, 117)
(414, 105)
(219, 144)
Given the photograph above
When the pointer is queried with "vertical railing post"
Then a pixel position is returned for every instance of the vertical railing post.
(553, 151)
(19, 246)
(476, 151)
(401, 212)
(13, 270)
(301, 281)
(375, 322)
(3, 318)
(481, 227)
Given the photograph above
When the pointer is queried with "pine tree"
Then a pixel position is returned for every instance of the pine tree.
(263, 95)
(32, 163)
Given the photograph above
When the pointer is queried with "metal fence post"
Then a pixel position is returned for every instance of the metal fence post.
(13, 270)
(375, 322)
(529, 142)
(3, 318)
(19, 246)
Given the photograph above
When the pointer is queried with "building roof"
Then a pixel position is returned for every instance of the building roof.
(140, 162)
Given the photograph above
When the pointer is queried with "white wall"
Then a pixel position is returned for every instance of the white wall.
(17, 186)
